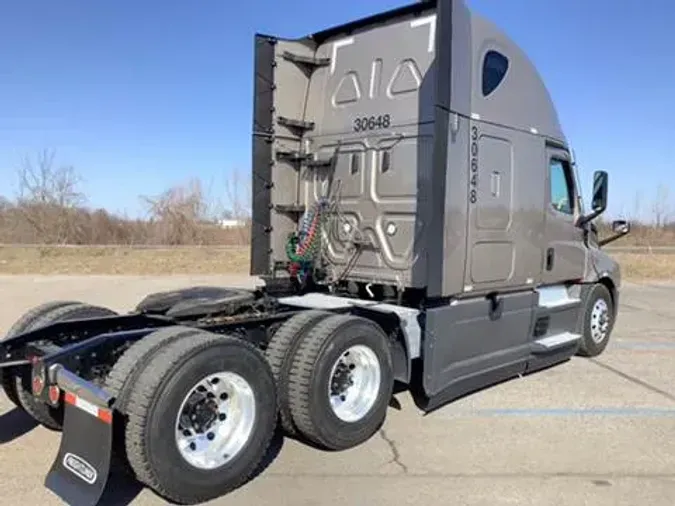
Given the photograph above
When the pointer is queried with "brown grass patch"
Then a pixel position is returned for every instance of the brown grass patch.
(45, 260)
(638, 267)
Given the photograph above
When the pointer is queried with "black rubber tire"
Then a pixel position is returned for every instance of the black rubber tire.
(123, 376)
(588, 347)
(280, 352)
(154, 402)
(309, 378)
(24, 324)
(49, 417)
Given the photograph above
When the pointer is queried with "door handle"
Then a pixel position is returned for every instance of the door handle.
(550, 259)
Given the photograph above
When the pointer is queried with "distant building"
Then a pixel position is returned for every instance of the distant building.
(231, 223)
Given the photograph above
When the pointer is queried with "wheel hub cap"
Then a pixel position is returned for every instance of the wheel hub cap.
(354, 383)
(215, 420)
(599, 321)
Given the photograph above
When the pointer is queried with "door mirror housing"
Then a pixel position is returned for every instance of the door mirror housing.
(620, 228)
(600, 185)
(599, 201)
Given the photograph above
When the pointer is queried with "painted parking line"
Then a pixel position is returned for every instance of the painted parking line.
(645, 346)
(566, 412)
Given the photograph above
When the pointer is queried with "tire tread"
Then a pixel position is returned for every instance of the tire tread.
(50, 417)
(588, 348)
(280, 353)
(300, 377)
(141, 399)
(24, 324)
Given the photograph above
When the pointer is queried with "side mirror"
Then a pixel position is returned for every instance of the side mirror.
(599, 202)
(620, 227)
(600, 184)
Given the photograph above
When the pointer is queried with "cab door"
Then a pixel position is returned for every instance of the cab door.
(564, 252)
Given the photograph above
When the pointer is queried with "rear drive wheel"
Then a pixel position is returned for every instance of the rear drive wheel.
(124, 374)
(24, 324)
(597, 321)
(280, 351)
(201, 416)
(341, 381)
(49, 417)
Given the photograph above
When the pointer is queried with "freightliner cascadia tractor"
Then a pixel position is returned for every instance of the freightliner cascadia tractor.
(417, 219)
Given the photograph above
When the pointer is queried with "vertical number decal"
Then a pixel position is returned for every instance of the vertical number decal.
(473, 177)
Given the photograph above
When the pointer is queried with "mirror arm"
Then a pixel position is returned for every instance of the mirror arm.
(589, 217)
(611, 238)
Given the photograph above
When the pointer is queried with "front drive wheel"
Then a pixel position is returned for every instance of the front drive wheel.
(201, 416)
(341, 382)
(597, 321)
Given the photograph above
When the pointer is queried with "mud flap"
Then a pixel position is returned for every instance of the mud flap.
(80, 471)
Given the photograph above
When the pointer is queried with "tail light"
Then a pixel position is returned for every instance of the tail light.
(38, 385)
(54, 394)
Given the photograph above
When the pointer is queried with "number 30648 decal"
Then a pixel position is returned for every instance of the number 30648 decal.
(365, 123)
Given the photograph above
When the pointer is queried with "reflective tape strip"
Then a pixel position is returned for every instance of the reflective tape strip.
(105, 415)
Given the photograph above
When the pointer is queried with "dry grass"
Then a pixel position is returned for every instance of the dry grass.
(637, 267)
(214, 260)
(123, 260)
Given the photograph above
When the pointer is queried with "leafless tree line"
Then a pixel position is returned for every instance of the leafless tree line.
(51, 208)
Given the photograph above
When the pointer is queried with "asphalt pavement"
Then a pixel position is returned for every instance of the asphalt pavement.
(587, 432)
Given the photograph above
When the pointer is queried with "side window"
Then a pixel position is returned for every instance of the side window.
(495, 66)
(562, 189)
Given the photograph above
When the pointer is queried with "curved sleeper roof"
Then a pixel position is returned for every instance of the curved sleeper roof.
(507, 89)
(519, 100)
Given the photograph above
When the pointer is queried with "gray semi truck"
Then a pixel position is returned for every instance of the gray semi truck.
(417, 219)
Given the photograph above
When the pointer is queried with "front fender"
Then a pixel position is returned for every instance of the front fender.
(600, 267)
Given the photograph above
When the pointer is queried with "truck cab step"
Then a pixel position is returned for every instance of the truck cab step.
(555, 297)
(554, 342)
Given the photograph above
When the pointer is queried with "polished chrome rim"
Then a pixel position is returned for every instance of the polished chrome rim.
(354, 383)
(599, 320)
(215, 420)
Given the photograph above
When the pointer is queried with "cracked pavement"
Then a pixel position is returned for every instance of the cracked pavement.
(395, 454)
(587, 432)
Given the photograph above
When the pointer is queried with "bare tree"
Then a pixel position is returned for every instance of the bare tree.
(637, 205)
(48, 196)
(43, 182)
(238, 196)
(661, 206)
(179, 213)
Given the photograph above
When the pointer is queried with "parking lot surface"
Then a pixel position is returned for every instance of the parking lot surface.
(587, 432)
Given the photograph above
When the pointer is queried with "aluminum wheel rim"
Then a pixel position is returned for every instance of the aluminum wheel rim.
(211, 436)
(599, 320)
(354, 383)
